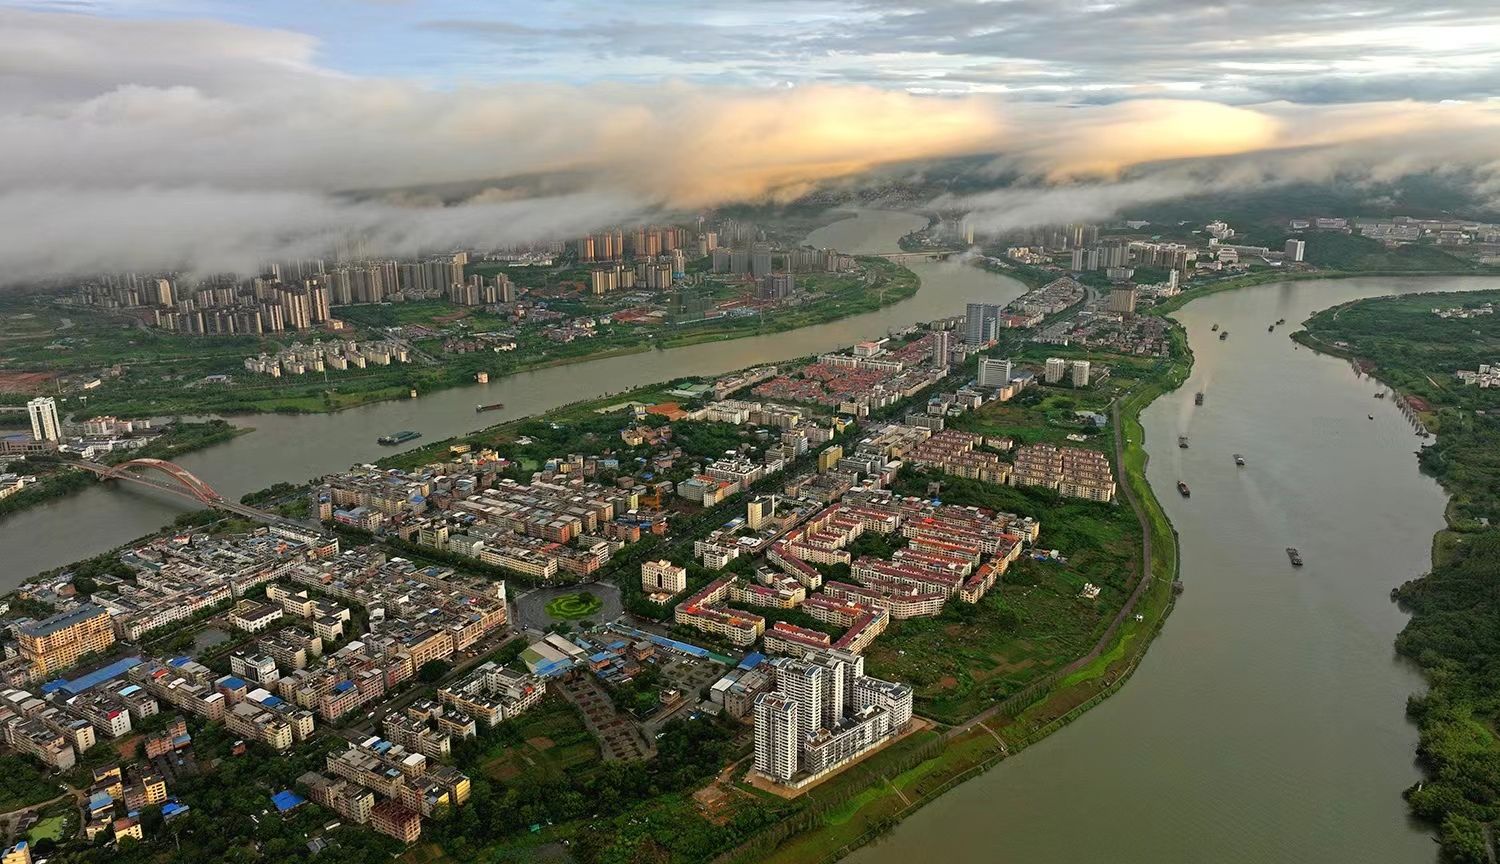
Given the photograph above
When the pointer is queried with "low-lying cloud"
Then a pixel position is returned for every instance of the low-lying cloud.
(210, 146)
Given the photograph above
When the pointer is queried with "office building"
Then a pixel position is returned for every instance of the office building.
(981, 323)
(759, 510)
(663, 577)
(45, 425)
(994, 372)
(1295, 250)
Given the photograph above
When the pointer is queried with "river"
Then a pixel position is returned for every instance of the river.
(296, 448)
(1266, 723)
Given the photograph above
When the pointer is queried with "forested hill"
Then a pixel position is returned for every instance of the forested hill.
(1454, 631)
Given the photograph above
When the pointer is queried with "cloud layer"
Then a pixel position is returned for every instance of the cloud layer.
(206, 145)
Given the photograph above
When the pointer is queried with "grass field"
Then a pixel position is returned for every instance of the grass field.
(548, 740)
(50, 828)
(574, 607)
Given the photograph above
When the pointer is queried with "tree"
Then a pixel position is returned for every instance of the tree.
(434, 670)
(1463, 841)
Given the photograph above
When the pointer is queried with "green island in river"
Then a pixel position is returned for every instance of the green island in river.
(1418, 345)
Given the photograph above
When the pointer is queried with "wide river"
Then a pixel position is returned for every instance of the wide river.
(300, 447)
(1266, 724)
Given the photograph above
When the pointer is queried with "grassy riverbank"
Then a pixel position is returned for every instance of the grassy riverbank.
(1454, 630)
(844, 814)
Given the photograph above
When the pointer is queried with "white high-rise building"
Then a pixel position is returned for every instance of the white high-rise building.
(1295, 249)
(777, 743)
(45, 425)
(993, 372)
(823, 713)
(895, 698)
(1055, 369)
(942, 348)
(806, 685)
(1080, 371)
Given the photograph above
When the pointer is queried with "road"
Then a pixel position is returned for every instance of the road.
(1142, 583)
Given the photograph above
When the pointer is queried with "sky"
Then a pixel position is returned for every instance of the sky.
(198, 134)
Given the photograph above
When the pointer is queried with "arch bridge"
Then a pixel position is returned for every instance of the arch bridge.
(170, 477)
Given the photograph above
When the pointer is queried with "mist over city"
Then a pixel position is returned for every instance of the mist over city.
(780, 432)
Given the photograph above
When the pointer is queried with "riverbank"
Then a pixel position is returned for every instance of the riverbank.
(1172, 304)
(293, 447)
(892, 786)
(830, 298)
(1188, 712)
(61, 480)
(1454, 630)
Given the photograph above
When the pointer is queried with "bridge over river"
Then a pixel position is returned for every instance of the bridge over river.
(172, 478)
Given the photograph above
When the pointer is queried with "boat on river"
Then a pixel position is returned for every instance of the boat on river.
(1224, 335)
(1239, 460)
(493, 406)
(1380, 395)
(398, 438)
(1215, 328)
(1198, 399)
(1183, 488)
(1294, 556)
(1280, 321)
(1270, 327)
(1182, 441)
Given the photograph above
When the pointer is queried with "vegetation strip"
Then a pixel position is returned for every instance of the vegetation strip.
(1454, 630)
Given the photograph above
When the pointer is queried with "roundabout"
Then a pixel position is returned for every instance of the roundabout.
(574, 607)
(544, 609)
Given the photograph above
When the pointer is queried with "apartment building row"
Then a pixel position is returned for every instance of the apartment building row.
(957, 454)
(706, 610)
(251, 712)
(381, 784)
(492, 693)
(340, 356)
(1073, 472)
